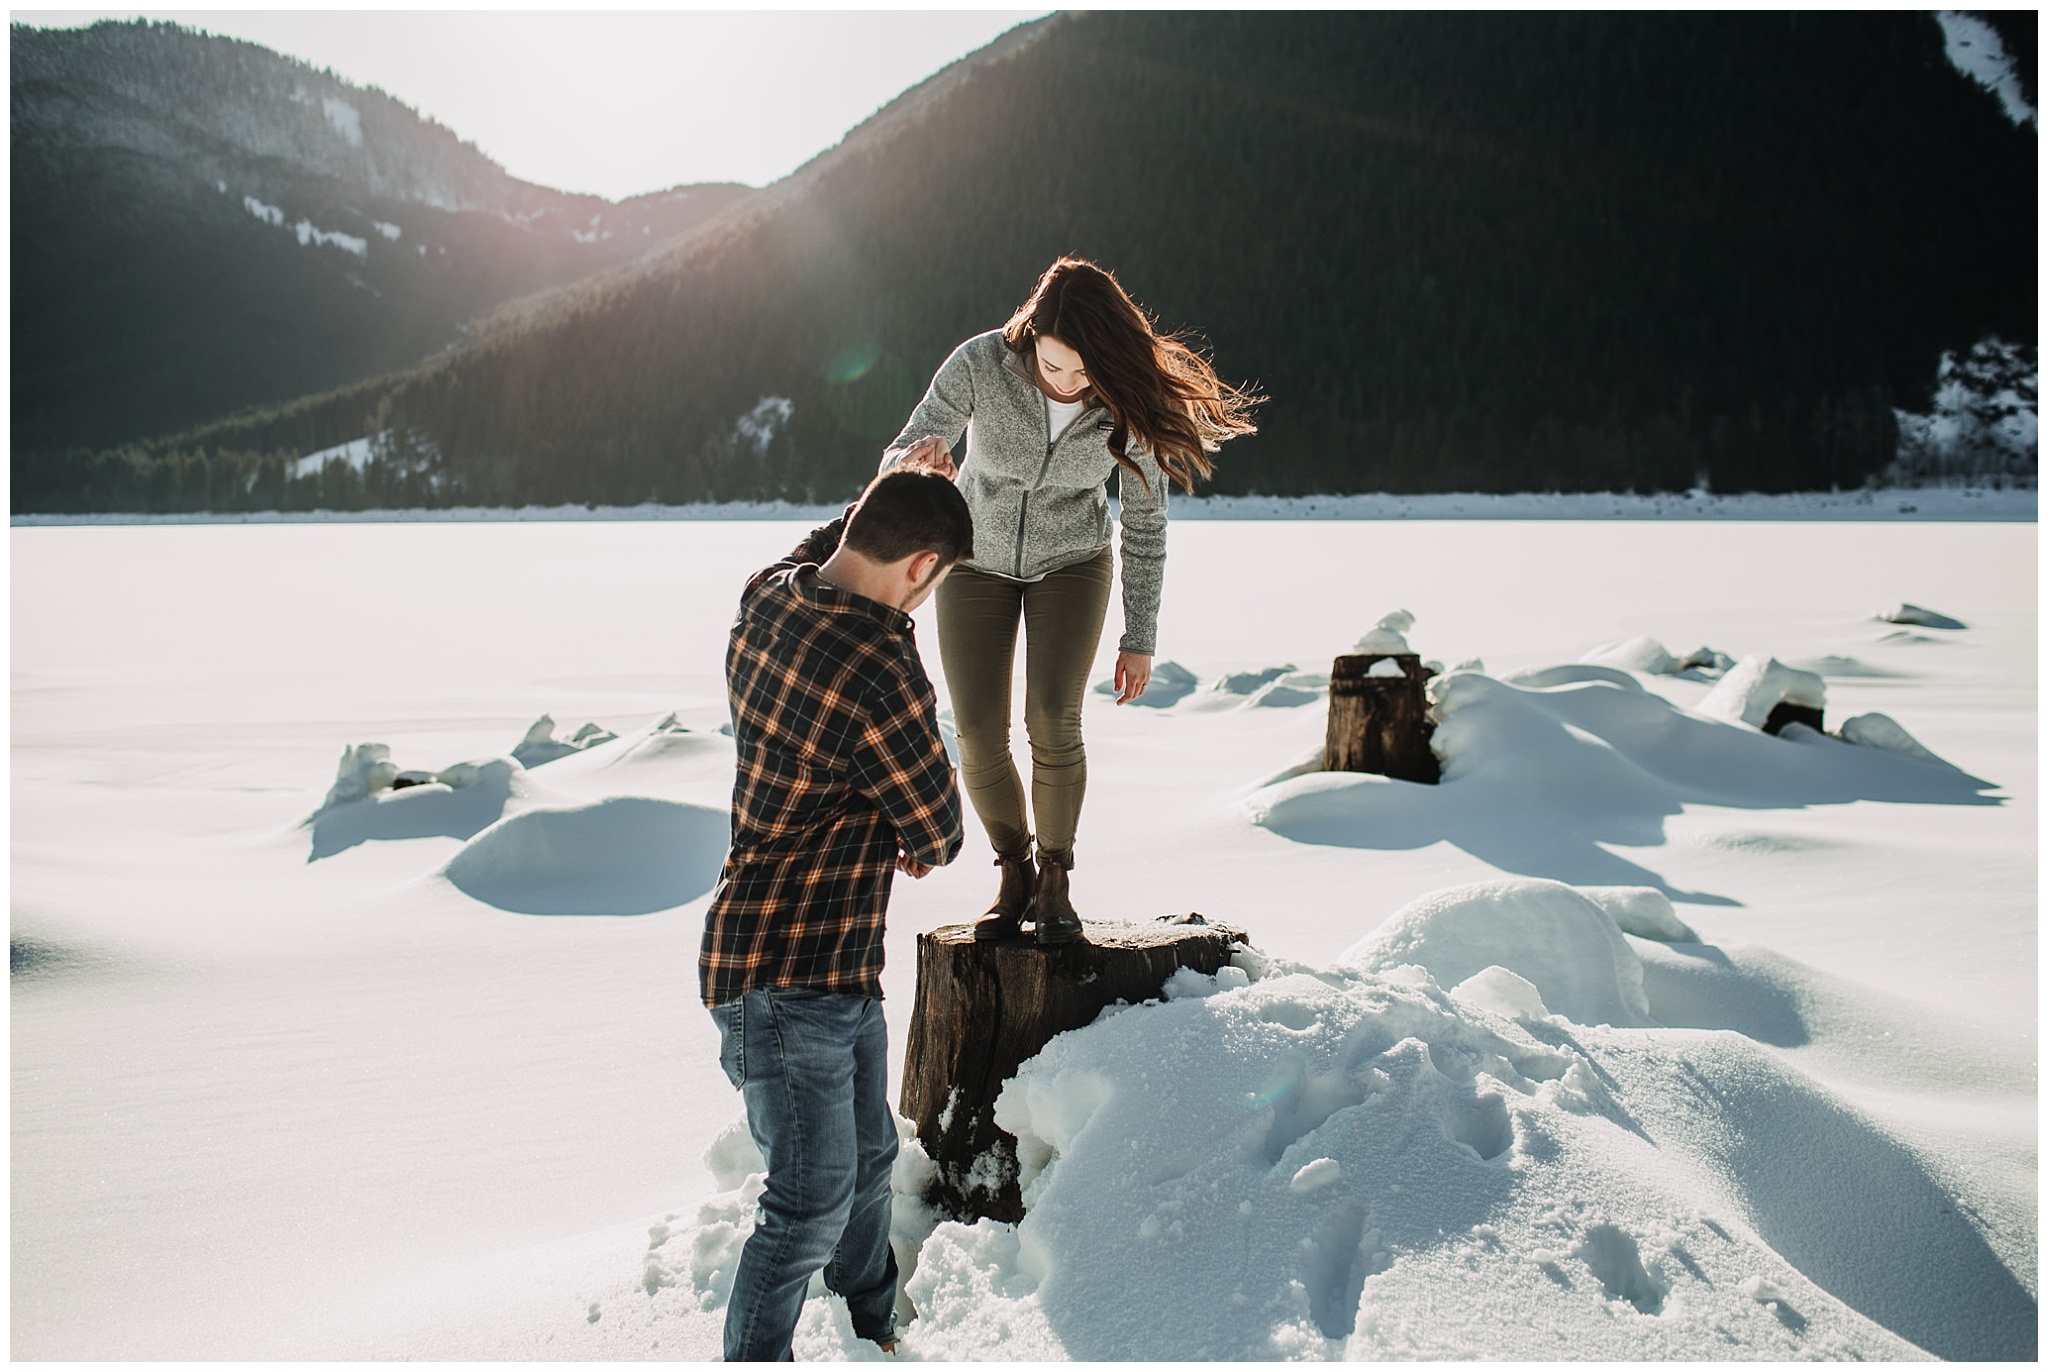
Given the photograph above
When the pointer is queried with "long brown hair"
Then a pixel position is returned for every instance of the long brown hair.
(1159, 390)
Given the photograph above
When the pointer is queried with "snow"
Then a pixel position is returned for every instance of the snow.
(1974, 48)
(1937, 504)
(1551, 937)
(344, 118)
(754, 429)
(1756, 685)
(269, 214)
(1882, 731)
(1387, 635)
(1642, 653)
(1907, 612)
(308, 235)
(389, 231)
(1644, 1035)
(357, 453)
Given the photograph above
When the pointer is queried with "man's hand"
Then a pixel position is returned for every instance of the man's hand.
(1133, 671)
(929, 454)
(910, 866)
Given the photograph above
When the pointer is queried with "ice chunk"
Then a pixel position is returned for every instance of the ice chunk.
(1756, 685)
(1501, 991)
(1553, 937)
(1385, 667)
(1882, 731)
(1909, 613)
(1388, 636)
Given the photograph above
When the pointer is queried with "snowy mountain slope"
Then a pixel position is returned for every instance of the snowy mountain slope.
(345, 1108)
(200, 224)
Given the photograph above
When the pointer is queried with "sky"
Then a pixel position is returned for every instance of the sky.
(621, 102)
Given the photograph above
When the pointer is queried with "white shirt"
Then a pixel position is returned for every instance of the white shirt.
(1060, 413)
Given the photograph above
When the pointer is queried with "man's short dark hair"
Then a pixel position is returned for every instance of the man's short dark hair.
(902, 514)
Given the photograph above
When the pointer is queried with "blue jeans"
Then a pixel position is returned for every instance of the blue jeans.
(814, 1069)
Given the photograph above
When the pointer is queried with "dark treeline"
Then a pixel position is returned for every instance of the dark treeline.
(1460, 251)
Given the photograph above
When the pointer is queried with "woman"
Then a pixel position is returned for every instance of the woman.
(1076, 386)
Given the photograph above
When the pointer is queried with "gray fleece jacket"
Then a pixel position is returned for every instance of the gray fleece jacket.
(1041, 504)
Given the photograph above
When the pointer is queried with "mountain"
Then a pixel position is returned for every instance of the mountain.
(200, 224)
(1493, 251)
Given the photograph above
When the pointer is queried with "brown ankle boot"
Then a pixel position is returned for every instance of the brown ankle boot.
(1005, 918)
(1057, 922)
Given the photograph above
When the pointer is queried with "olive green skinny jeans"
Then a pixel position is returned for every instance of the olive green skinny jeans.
(1062, 617)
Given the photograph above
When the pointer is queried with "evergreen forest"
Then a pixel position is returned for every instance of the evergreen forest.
(1459, 251)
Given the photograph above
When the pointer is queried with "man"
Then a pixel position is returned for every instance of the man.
(843, 780)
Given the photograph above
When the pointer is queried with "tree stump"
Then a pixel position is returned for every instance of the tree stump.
(1785, 712)
(983, 1007)
(1380, 723)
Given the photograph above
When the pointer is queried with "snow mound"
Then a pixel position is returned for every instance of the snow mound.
(1570, 773)
(1909, 613)
(1170, 684)
(625, 855)
(1388, 636)
(1291, 690)
(1248, 682)
(1757, 685)
(1646, 655)
(1834, 665)
(541, 746)
(1332, 1164)
(365, 769)
(1642, 911)
(369, 804)
(1882, 731)
(1564, 945)
(1502, 992)
(1280, 687)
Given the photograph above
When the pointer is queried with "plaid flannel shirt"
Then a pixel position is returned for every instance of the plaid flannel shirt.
(840, 765)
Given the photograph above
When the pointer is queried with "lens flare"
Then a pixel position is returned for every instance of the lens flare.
(1286, 1077)
(852, 362)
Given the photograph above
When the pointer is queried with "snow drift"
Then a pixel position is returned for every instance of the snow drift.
(1345, 1162)
(1539, 773)
(626, 855)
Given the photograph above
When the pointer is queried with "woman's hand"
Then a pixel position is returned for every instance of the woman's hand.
(930, 454)
(911, 867)
(1133, 671)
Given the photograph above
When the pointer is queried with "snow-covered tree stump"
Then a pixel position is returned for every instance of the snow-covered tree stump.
(1786, 712)
(1379, 717)
(983, 1007)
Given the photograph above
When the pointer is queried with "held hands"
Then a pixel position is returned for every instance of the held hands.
(1133, 671)
(929, 454)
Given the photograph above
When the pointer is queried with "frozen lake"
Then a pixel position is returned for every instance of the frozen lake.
(289, 1091)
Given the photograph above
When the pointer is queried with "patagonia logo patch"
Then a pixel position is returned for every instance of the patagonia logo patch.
(1105, 425)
